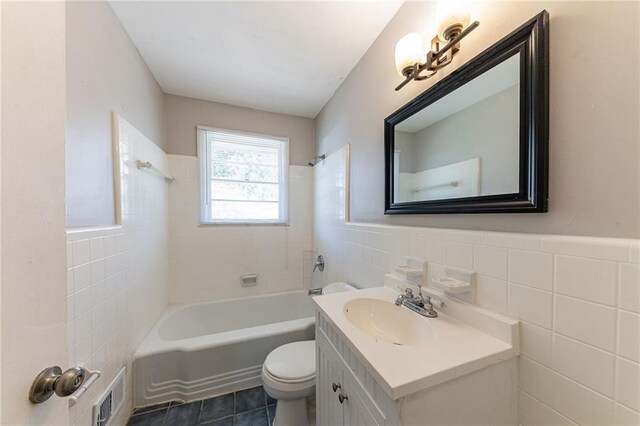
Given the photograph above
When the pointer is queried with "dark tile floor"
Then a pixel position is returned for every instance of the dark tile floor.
(250, 407)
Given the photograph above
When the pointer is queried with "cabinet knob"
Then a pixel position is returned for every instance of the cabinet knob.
(342, 398)
(336, 386)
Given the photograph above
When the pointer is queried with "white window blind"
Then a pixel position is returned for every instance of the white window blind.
(243, 177)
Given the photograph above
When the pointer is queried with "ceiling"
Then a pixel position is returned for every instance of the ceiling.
(285, 57)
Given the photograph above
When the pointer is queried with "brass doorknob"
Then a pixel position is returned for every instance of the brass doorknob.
(342, 398)
(335, 386)
(52, 380)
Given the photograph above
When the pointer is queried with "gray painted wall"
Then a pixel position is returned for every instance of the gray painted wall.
(182, 115)
(594, 109)
(105, 73)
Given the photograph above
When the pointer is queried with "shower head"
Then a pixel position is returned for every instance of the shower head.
(316, 160)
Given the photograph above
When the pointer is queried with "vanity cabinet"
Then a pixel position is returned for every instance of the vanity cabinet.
(363, 401)
(329, 410)
(346, 404)
(485, 396)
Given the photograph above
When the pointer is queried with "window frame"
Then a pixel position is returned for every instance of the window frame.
(205, 181)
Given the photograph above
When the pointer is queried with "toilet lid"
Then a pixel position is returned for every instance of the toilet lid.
(292, 361)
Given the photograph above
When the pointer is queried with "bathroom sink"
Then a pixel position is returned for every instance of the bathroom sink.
(384, 321)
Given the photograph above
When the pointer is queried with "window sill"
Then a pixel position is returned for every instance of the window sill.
(231, 224)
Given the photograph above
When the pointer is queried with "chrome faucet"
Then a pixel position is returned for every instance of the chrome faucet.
(319, 264)
(422, 305)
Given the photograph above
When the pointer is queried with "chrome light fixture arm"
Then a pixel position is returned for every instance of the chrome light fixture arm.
(435, 59)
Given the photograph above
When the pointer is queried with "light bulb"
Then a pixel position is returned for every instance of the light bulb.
(409, 50)
(451, 14)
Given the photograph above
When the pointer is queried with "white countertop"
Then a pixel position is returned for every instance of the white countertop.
(456, 349)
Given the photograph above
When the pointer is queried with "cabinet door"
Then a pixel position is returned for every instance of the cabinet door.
(356, 412)
(329, 371)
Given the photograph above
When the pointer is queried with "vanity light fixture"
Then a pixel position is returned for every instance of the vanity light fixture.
(453, 25)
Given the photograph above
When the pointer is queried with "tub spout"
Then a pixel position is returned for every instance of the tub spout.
(315, 291)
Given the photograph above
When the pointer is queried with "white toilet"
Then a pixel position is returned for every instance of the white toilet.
(289, 375)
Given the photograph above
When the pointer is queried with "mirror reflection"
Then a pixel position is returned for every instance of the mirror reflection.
(466, 144)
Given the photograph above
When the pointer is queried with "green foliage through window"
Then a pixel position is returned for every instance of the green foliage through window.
(245, 177)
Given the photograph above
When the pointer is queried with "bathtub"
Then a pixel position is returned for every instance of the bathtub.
(206, 349)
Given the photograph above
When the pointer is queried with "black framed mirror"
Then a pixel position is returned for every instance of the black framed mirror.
(477, 141)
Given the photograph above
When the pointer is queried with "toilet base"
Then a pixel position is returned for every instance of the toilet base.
(291, 412)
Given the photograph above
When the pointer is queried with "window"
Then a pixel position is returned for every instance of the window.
(243, 177)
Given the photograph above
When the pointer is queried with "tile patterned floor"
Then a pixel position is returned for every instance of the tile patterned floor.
(250, 407)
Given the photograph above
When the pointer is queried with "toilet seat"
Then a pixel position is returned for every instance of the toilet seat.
(288, 381)
(288, 388)
(292, 363)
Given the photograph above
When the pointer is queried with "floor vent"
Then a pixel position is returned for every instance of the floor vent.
(110, 402)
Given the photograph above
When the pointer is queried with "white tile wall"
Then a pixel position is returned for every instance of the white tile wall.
(628, 328)
(537, 413)
(577, 298)
(625, 416)
(459, 255)
(530, 304)
(579, 403)
(627, 384)
(206, 261)
(575, 360)
(491, 261)
(588, 322)
(531, 268)
(589, 279)
(629, 290)
(117, 277)
(491, 293)
(535, 343)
